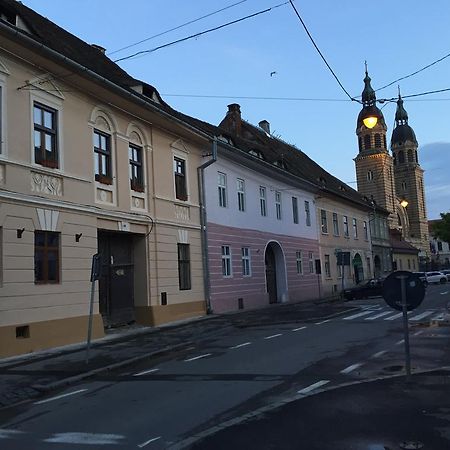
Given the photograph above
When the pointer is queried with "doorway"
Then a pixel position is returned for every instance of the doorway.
(358, 268)
(276, 282)
(116, 285)
(271, 275)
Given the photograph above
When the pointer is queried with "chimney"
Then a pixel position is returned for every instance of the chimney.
(265, 126)
(99, 48)
(234, 118)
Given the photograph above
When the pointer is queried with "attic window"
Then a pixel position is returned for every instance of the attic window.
(8, 17)
(280, 163)
(225, 139)
(322, 180)
(342, 188)
(256, 153)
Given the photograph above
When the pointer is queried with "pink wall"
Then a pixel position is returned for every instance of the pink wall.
(226, 291)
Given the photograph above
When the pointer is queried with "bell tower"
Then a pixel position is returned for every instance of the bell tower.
(409, 178)
(374, 164)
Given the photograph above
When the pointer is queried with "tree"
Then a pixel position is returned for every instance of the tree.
(441, 228)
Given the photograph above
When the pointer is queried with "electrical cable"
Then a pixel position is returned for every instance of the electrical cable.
(249, 97)
(201, 33)
(321, 55)
(176, 28)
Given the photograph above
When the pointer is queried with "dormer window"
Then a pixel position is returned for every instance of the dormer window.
(280, 163)
(322, 180)
(256, 153)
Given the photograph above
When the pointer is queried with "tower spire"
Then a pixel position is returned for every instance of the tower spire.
(368, 96)
(401, 116)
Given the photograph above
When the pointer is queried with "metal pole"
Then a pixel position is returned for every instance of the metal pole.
(405, 327)
(91, 313)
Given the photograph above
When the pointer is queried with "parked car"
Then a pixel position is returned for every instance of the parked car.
(436, 277)
(446, 272)
(423, 277)
(371, 288)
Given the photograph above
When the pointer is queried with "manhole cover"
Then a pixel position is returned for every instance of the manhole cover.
(411, 445)
(393, 368)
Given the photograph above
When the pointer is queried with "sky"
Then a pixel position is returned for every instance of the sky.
(271, 57)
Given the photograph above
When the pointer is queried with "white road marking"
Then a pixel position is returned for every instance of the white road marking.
(418, 332)
(85, 438)
(378, 354)
(440, 316)
(395, 316)
(376, 316)
(422, 316)
(371, 307)
(274, 336)
(323, 321)
(400, 342)
(197, 357)
(312, 387)
(40, 402)
(149, 442)
(6, 434)
(351, 368)
(145, 372)
(298, 329)
(444, 293)
(240, 345)
(354, 316)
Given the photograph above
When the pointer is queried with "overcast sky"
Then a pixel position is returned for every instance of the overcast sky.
(395, 37)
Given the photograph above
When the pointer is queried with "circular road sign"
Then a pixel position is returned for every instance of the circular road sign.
(392, 290)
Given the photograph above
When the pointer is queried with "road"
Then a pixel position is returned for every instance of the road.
(251, 367)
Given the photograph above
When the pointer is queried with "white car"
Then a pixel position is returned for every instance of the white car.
(436, 277)
(446, 273)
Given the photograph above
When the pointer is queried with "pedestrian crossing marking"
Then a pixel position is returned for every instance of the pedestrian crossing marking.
(391, 315)
(354, 316)
(376, 316)
(422, 316)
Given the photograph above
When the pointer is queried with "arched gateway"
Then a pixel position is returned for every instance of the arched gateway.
(276, 282)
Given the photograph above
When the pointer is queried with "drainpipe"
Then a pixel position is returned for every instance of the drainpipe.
(204, 231)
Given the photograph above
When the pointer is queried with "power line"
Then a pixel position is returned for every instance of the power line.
(249, 97)
(142, 52)
(320, 53)
(437, 91)
(177, 27)
(414, 73)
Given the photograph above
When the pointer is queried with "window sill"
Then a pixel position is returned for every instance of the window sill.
(103, 180)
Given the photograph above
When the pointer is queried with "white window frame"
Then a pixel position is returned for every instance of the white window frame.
(299, 261)
(335, 224)
(263, 201)
(323, 221)
(246, 262)
(345, 222)
(227, 269)
(222, 189)
(307, 214)
(327, 266)
(240, 186)
(295, 210)
(311, 262)
(355, 227)
(366, 231)
(278, 205)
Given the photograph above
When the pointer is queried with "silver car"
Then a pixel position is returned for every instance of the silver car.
(436, 277)
(446, 272)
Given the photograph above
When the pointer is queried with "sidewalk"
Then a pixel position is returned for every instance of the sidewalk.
(386, 414)
(29, 376)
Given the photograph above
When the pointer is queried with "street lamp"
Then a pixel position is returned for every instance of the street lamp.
(404, 203)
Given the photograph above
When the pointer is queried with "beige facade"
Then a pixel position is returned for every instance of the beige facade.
(66, 201)
(343, 226)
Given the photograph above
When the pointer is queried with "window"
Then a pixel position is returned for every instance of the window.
(369, 175)
(377, 140)
(345, 220)
(299, 262)
(184, 267)
(366, 234)
(323, 220)
(335, 224)
(367, 141)
(45, 133)
(311, 262)
(439, 246)
(414, 264)
(401, 156)
(327, 266)
(403, 185)
(410, 156)
(136, 169)
(226, 261)
(368, 266)
(179, 167)
(355, 228)
(46, 257)
(295, 209)
(262, 200)
(409, 264)
(308, 214)
(102, 157)
(222, 188)
(241, 194)
(278, 204)
(246, 267)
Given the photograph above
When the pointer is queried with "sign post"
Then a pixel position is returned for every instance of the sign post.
(95, 275)
(404, 291)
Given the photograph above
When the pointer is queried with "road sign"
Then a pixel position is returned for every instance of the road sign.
(343, 258)
(414, 289)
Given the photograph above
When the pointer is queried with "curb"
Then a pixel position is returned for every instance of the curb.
(71, 380)
(186, 443)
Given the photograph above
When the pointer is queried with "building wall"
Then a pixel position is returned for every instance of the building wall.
(333, 240)
(405, 262)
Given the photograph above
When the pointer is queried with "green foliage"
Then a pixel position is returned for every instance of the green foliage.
(441, 229)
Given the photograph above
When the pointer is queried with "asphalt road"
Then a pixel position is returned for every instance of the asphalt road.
(253, 367)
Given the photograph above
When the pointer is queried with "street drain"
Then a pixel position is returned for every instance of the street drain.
(410, 445)
(393, 368)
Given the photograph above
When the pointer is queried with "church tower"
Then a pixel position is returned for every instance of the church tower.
(374, 164)
(409, 179)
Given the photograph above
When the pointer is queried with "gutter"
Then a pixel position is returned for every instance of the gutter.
(16, 34)
(203, 222)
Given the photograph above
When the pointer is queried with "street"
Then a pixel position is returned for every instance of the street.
(247, 369)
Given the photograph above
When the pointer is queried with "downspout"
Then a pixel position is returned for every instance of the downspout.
(203, 222)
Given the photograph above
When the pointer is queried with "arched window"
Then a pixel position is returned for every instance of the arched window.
(384, 141)
(410, 156)
(360, 144)
(394, 157)
(417, 158)
(369, 175)
(401, 157)
(367, 141)
(377, 140)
